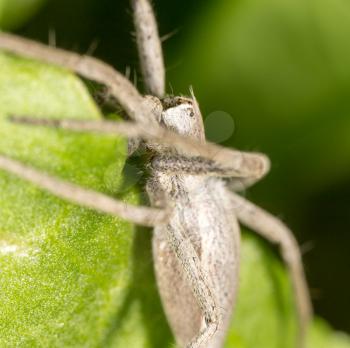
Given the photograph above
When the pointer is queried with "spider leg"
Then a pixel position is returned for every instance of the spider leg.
(88, 67)
(84, 197)
(126, 128)
(149, 47)
(173, 164)
(249, 167)
(276, 232)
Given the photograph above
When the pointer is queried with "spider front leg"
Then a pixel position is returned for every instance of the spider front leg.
(126, 94)
(149, 47)
(91, 68)
(252, 165)
(201, 157)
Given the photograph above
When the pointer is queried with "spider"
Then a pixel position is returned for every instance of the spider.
(195, 209)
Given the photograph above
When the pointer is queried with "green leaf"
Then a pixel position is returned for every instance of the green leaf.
(322, 336)
(280, 68)
(14, 13)
(71, 277)
(64, 269)
(265, 315)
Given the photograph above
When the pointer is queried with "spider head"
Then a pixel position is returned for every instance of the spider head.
(182, 115)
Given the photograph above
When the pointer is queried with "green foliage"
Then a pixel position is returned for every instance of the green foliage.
(64, 269)
(14, 13)
(280, 68)
(71, 277)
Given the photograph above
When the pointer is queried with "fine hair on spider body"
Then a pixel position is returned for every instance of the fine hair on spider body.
(194, 214)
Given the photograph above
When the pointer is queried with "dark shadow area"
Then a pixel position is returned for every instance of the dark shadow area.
(143, 289)
(329, 258)
(105, 29)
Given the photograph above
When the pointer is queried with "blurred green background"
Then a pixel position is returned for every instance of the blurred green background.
(280, 69)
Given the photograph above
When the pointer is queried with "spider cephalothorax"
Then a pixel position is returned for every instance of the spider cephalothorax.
(182, 115)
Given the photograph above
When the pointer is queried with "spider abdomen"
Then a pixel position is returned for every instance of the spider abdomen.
(203, 215)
